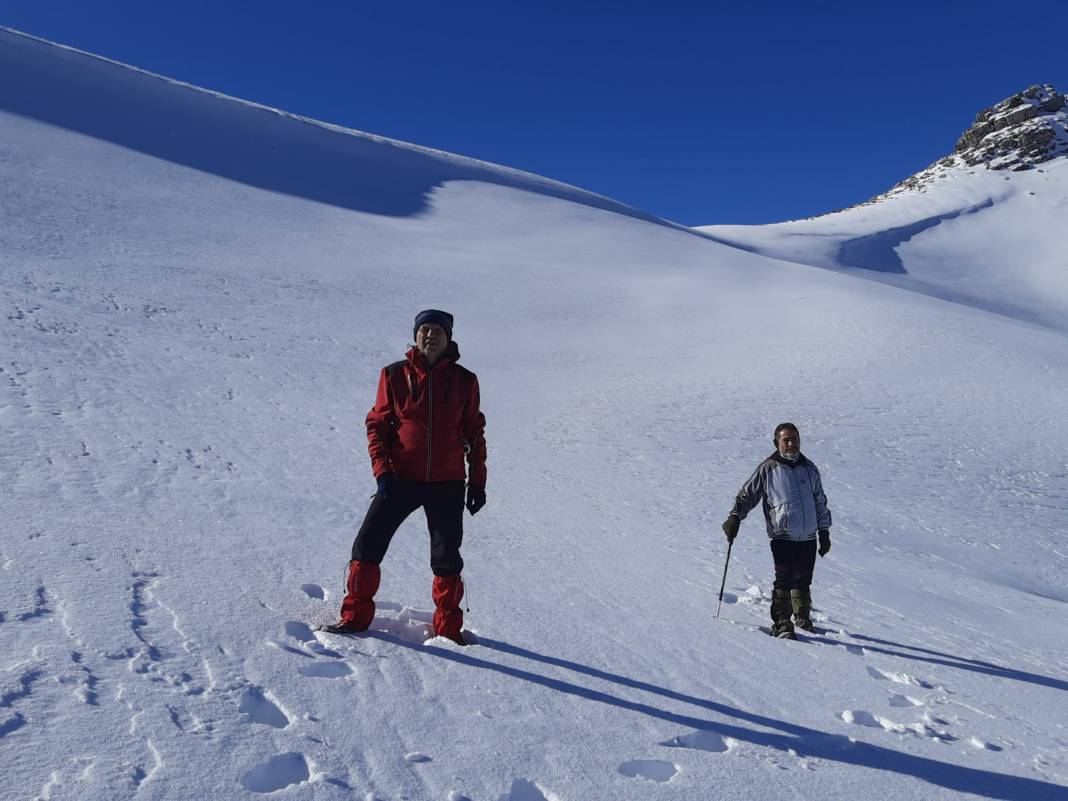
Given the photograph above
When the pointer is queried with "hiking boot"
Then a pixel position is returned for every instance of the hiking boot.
(801, 602)
(781, 626)
(780, 630)
(341, 627)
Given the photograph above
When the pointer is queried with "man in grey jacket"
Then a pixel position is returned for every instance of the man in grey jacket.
(796, 513)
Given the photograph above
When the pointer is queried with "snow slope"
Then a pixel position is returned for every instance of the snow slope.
(991, 238)
(188, 352)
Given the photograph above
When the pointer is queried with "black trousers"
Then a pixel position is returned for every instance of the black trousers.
(794, 562)
(443, 503)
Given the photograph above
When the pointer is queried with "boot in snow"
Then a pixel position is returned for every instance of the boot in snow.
(358, 608)
(780, 615)
(448, 618)
(801, 601)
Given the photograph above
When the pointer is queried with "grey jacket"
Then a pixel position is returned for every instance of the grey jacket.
(795, 507)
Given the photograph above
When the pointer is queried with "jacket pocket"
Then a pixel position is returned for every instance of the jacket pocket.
(780, 517)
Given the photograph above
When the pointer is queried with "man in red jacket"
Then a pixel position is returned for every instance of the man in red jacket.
(424, 423)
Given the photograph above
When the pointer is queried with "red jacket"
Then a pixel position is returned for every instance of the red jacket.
(425, 420)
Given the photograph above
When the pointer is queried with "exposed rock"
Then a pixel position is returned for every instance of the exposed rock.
(1055, 103)
(1015, 117)
(1015, 134)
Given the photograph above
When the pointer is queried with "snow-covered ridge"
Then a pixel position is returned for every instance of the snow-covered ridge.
(983, 226)
(1017, 134)
(231, 137)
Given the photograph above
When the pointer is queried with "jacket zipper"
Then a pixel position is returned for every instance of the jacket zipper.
(429, 419)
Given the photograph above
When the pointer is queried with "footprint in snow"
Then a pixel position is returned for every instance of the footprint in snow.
(314, 591)
(302, 633)
(289, 649)
(700, 741)
(407, 614)
(277, 773)
(861, 717)
(899, 678)
(924, 728)
(753, 595)
(299, 631)
(903, 701)
(260, 708)
(524, 790)
(416, 758)
(42, 598)
(410, 625)
(325, 670)
(656, 770)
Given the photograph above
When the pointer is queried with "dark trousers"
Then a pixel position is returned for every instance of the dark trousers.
(794, 563)
(443, 503)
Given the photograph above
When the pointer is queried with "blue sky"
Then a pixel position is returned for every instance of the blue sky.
(698, 112)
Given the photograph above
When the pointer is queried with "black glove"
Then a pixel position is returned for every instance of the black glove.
(476, 498)
(730, 528)
(386, 482)
(825, 541)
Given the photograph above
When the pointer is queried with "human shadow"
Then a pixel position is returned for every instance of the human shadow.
(949, 660)
(241, 141)
(784, 736)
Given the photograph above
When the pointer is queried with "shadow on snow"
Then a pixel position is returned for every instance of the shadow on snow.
(783, 736)
(253, 145)
(950, 660)
(878, 251)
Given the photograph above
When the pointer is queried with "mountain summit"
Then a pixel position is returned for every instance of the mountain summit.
(1015, 134)
(982, 226)
(1023, 130)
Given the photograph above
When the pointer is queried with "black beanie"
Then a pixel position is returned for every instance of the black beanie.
(435, 316)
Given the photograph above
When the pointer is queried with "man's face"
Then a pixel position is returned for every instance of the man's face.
(789, 442)
(431, 341)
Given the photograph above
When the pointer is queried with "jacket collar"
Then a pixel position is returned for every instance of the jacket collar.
(801, 460)
(416, 359)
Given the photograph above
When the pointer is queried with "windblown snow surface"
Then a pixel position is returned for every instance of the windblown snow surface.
(198, 295)
(990, 239)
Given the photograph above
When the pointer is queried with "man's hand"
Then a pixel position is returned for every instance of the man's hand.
(825, 541)
(476, 498)
(385, 485)
(730, 528)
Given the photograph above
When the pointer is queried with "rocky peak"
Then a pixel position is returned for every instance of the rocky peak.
(1017, 133)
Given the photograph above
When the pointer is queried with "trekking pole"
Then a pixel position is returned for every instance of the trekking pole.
(730, 544)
